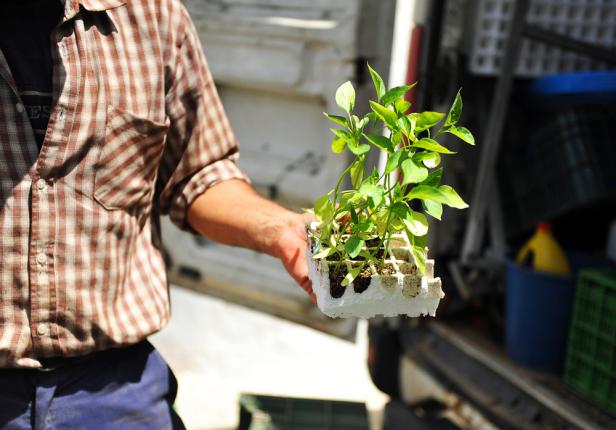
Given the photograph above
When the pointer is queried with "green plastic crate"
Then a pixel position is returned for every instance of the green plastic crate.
(259, 412)
(590, 367)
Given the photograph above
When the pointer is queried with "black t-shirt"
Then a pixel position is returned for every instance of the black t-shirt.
(25, 30)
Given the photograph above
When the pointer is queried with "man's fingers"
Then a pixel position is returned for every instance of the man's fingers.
(307, 286)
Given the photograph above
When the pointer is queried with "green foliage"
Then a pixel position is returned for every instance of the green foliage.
(376, 206)
(345, 97)
(379, 85)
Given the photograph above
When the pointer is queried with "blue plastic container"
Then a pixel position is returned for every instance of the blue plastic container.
(538, 310)
(552, 92)
(537, 316)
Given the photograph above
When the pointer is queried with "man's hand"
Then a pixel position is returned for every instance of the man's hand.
(231, 212)
(290, 248)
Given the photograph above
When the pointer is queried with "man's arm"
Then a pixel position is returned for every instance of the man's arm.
(231, 212)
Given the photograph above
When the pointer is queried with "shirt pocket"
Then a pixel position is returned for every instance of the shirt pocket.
(128, 161)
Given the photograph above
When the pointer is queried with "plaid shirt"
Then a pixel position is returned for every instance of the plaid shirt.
(136, 131)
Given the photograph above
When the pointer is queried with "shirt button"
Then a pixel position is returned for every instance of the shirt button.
(19, 107)
(41, 184)
(42, 329)
(41, 258)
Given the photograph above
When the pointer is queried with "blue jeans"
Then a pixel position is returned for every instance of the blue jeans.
(129, 388)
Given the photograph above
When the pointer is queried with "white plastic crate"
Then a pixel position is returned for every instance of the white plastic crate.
(591, 21)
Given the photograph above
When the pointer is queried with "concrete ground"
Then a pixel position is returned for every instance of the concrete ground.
(218, 350)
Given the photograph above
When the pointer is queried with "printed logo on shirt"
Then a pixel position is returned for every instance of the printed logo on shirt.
(38, 108)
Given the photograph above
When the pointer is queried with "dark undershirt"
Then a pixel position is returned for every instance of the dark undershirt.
(25, 29)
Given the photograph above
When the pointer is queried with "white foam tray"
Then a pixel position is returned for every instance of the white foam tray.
(405, 292)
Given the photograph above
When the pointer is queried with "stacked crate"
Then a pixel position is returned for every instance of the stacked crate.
(592, 21)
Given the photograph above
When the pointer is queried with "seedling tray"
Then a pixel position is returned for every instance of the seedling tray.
(403, 291)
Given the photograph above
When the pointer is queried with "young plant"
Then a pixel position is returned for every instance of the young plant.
(358, 223)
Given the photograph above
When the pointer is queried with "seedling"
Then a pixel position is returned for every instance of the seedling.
(358, 224)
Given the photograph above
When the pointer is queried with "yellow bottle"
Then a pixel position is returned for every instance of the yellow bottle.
(547, 255)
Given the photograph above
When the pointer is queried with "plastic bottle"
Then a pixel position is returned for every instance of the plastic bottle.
(544, 253)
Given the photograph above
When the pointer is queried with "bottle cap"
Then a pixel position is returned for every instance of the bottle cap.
(544, 226)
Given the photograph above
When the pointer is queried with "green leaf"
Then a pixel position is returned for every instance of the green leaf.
(379, 141)
(429, 159)
(413, 173)
(452, 198)
(337, 119)
(379, 85)
(358, 149)
(338, 145)
(345, 198)
(375, 175)
(362, 123)
(394, 160)
(364, 253)
(399, 209)
(407, 126)
(352, 274)
(372, 117)
(428, 119)
(443, 194)
(344, 134)
(416, 223)
(377, 195)
(420, 258)
(365, 226)
(425, 192)
(454, 112)
(432, 145)
(398, 214)
(463, 133)
(421, 241)
(432, 208)
(354, 216)
(357, 174)
(395, 93)
(324, 253)
(402, 106)
(396, 138)
(366, 188)
(324, 208)
(398, 191)
(434, 178)
(388, 116)
(353, 245)
(380, 219)
(345, 97)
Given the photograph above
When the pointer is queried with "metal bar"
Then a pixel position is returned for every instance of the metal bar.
(556, 404)
(569, 43)
(498, 415)
(497, 229)
(475, 227)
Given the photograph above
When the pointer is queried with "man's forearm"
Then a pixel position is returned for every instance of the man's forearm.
(233, 213)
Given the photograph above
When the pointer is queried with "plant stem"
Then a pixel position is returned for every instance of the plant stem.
(340, 182)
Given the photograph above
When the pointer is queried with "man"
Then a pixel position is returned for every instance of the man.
(108, 119)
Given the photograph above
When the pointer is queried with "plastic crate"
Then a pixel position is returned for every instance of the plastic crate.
(556, 162)
(591, 21)
(591, 356)
(259, 412)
